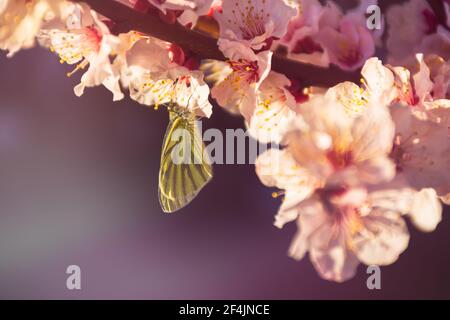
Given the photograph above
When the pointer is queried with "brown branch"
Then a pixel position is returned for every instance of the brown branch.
(127, 19)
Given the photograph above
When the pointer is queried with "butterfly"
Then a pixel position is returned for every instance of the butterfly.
(185, 168)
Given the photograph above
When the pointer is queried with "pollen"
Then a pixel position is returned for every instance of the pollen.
(249, 18)
(278, 194)
(245, 69)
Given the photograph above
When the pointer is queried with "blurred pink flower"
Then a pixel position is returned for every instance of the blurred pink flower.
(341, 227)
(427, 99)
(422, 150)
(277, 168)
(21, 21)
(323, 34)
(340, 149)
(413, 27)
(301, 36)
(334, 149)
(349, 46)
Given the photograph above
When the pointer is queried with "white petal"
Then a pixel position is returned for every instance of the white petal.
(349, 96)
(330, 256)
(426, 211)
(376, 170)
(422, 151)
(379, 79)
(373, 133)
(274, 110)
(422, 81)
(395, 196)
(446, 199)
(312, 218)
(384, 237)
(293, 204)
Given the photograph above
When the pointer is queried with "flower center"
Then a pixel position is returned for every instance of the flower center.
(251, 20)
(339, 159)
(300, 93)
(246, 70)
(349, 55)
(74, 45)
(346, 207)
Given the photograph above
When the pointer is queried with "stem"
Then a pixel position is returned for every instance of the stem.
(127, 19)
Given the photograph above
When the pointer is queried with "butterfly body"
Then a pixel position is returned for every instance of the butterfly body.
(181, 177)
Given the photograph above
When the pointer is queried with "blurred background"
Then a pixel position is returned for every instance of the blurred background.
(78, 185)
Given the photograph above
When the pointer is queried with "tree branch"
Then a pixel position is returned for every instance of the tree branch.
(205, 46)
(127, 19)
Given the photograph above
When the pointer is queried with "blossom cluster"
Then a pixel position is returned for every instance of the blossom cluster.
(356, 158)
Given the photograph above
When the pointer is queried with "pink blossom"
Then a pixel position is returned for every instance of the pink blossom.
(301, 37)
(185, 12)
(342, 149)
(254, 23)
(426, 98)
(21, 21)
(323, 34)
(338, 150)
(377, 89)
(276, 107)
(349, 46)
(278, 168)
(238, 91)
(88, 43)
(342, 227)
(190, 9)
(413, 27)
(153, 78)
(422, 149)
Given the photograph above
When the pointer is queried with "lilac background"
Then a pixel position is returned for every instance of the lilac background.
(78, 185)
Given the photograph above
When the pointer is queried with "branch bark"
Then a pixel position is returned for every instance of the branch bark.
(127, 19)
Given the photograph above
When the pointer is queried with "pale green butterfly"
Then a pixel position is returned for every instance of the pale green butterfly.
(181, 181)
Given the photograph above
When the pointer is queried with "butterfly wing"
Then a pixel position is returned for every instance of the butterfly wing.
(181, 181)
